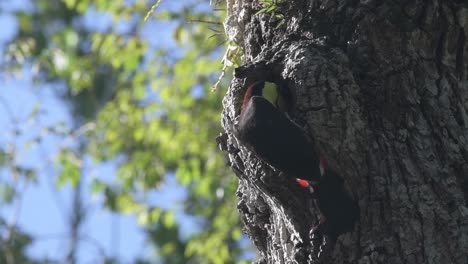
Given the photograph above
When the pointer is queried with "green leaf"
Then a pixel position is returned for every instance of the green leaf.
(3, 157)
(97, 186)
(7, 193)
(168, 219)
(70, 169)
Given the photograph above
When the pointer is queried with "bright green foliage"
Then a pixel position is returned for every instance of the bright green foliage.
(271, 7)
(152, 110)
(71, 169)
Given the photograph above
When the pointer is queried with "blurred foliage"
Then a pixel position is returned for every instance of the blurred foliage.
(14, 245)
(144, 105)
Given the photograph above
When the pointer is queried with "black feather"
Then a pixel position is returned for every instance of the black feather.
(277, 140)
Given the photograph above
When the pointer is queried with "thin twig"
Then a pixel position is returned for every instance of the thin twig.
(151, 11)
(204, 21)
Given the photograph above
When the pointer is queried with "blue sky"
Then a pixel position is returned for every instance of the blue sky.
(42, 211)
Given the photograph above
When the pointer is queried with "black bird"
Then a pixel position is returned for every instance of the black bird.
(266, 130)
(274, 138)
(338, 210)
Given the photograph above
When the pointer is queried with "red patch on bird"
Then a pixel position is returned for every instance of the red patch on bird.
(247, 96)
(253, 89)
(302, 182)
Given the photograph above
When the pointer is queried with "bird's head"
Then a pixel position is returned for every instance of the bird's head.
(277, 96)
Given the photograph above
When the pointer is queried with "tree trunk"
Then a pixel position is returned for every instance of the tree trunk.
(381, 87)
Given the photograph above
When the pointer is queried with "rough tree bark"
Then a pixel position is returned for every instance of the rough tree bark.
(381, 86)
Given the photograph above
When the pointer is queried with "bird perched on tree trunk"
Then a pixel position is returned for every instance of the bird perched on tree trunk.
(275, 139)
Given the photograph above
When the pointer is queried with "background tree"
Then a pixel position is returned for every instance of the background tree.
(142, 105)
(381, 86)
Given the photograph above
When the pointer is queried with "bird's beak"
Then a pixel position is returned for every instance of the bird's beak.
(303, 183)
(306, 184)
